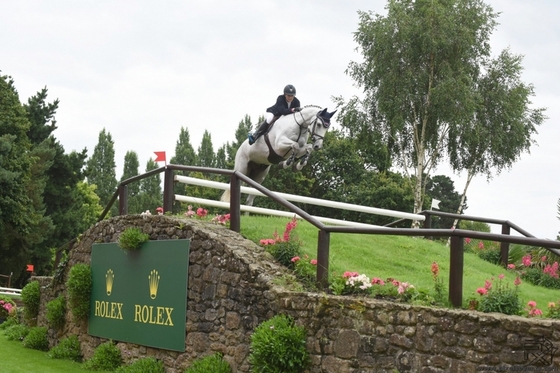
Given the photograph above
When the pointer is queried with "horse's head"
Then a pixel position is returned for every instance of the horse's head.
(319, 128)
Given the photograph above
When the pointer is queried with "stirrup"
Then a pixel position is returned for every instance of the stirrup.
(251, 139)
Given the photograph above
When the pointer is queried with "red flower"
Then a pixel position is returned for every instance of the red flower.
(482, 291)
(435, 269)
(313, 261)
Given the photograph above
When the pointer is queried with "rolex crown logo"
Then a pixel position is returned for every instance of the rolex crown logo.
(153, 279)
(109, 279)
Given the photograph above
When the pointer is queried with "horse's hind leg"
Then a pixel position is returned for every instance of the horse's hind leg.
(258, 174)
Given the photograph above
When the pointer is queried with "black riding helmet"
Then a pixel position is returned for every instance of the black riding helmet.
(290, 90)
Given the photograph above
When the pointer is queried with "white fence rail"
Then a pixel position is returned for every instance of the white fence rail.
(9, 291)
(292, 198)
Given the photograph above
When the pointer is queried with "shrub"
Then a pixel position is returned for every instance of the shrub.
(67, 349)
(144, 365)
(105, 357)
(31, 296)
(132, 238)
(36, 339)
(56, 312)
(278, 346)
(211, 363)
(286, 247)
(79, 290)
(498, 297)
(16, 332)
(7, 306)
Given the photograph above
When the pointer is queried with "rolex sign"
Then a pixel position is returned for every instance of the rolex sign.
(140, 296)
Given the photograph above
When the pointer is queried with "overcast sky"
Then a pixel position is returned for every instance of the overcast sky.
(144, 69)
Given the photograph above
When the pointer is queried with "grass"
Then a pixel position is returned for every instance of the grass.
(14, 358)
(403, 258)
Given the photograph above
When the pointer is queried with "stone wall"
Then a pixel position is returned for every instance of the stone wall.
(234, 285)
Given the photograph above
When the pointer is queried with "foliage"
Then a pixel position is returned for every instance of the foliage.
(31, 296)
(184, 155)
(37, 339)
(498, 297)
(150, 189)
(553, 311)
(56, 312)
(79, 286)
(284, 248)
(132, 238)
(101, 167)
(211, 363)
(105, 357)
(305, 270)
(131, 167)
(68, 348)
(17, 332)
(144, 365)
(442, 188)
(278, 346)
(439, 288)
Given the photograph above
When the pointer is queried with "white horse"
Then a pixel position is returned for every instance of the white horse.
(284, 144)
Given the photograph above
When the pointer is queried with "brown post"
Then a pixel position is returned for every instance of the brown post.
(504, 247)
(168, 193)
(323, 259)
(456, 271)
(123, 199)
(234, 203)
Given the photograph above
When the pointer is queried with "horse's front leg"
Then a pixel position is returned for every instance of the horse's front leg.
(304, 158)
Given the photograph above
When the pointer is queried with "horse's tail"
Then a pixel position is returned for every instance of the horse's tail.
(225, 196)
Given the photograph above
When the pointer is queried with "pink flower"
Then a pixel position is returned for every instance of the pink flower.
(467, 240)
(395, 282)
(160, 210)
(511, 266)
(377, 281)
(435, 269)
(313, 261)
(267, 241)
(481, 245)
(543, 259)
(201, 212)
(532, 304)
(501, 276)
(295, 259)
(487, 285)
(482, 291)
(348, 274)
(189, 212)
(526, 260)
(517, 281)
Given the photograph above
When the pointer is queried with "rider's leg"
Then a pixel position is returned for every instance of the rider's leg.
(262, 128)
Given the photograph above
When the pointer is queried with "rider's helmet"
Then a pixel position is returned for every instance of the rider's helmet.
(290, 90)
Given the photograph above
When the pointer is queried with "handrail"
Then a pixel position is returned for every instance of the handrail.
(456, 235)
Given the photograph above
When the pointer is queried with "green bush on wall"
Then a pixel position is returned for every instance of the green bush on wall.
(105, 357)
(132, 238)
(79, 286)
(278, 346)
(31, 296)
(56, 312)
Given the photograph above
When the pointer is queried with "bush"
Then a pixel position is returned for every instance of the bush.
(36, 339)
(146, 365)
(56, 312)
(132, 238)
(31, 296)
(211, 363)
(498, 297)
(79, 290)
(67, 349)
(16, 332)
(278, 346)
(106, 357)
(7, 306)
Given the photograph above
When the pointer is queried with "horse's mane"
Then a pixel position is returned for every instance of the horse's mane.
(316, 106)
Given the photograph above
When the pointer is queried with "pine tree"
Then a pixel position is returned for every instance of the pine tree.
(101, 169)
(131, 166)
(151, 195)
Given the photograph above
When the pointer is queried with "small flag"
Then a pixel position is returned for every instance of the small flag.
(160, 157)
(435, 204)
(29, 268)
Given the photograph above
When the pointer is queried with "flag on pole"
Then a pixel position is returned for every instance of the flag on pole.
(160, 157)
(30, 268)
(435, 204)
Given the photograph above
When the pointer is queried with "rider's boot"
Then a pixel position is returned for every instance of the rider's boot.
(254, 136)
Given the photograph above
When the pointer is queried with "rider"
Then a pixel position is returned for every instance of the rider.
(285, 104)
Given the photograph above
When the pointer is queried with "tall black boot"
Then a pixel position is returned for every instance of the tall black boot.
(260, 131)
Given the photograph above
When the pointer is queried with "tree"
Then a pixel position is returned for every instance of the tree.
(151, 196)
(184, 155)
(101, 169)
(502, 125)
(243, 129)
(131, 165)
(420, 62)
(205, 154)
(442, 188)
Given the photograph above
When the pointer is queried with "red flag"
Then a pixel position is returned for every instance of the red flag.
(160, 157)
(30, 268)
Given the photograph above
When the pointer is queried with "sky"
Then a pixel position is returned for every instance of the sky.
(142, 70)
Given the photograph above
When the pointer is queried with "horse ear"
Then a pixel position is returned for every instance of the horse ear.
(331, 114)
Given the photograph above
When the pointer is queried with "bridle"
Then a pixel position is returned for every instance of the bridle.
(303, 128)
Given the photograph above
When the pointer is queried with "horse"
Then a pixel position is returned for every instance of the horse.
(285, 144)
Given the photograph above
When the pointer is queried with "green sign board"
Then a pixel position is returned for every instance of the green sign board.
(140, 296)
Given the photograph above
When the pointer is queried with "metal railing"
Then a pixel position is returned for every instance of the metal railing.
(456, 236)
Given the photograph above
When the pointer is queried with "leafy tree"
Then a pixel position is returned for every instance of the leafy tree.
(184, 155)
(420, 62)
(101, 169)
(151, 195)
(131, 165)
(502, 125)
(241, 133)
(205, 155)
(442, 188)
